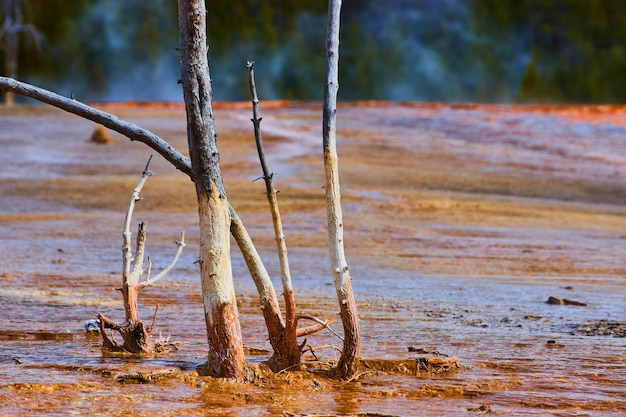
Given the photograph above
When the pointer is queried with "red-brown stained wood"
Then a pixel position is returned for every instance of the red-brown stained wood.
(350, 354)
(226, 358)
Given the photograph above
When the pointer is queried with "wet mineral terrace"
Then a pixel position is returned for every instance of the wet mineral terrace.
(460, 222)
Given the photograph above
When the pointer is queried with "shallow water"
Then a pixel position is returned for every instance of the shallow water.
(460, 222)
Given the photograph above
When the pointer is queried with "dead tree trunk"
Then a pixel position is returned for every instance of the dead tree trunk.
(288, 353)
(349, 360)
(226, 357)
(134, 332)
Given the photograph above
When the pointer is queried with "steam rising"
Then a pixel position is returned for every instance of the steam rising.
(395, 50)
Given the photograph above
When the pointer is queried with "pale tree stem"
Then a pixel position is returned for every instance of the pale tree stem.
(348, 362)
(140, 249)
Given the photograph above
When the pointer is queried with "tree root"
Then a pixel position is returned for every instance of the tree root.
(135, 335)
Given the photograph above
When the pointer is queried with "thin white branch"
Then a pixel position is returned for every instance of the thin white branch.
(147, 271)
(140, 249)
(181, 244)
(129, 279)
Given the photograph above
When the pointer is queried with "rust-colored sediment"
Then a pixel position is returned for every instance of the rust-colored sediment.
(460, 221)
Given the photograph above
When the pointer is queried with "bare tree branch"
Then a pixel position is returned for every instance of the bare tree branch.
(126, 248)
(181, 244)
(130, 130)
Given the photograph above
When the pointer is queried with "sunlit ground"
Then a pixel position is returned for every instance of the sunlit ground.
(460, 222)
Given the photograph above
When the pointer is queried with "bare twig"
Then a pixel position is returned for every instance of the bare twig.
(362, 374)
(154, 318)
(105, 323)
(337, 348)
(320, 322)
(132, 278)
(320, 325)
(181, 244)
(309, 348)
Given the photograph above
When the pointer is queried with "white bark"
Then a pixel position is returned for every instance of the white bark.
(181, 244)
(131, 278)
(348, 361)
(215, 252)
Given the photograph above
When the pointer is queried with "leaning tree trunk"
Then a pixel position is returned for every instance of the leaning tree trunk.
(226, 357)
(349, 359)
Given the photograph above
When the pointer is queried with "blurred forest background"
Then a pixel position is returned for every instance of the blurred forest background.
(542, 51)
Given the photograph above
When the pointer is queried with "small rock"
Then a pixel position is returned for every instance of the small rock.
(555, 301)
(483, 408)
(564, 301)
(423, 350)
(92, 326)
(150, 377)
(100, 136)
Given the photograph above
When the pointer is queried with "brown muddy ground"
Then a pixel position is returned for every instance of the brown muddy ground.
(460, 220)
